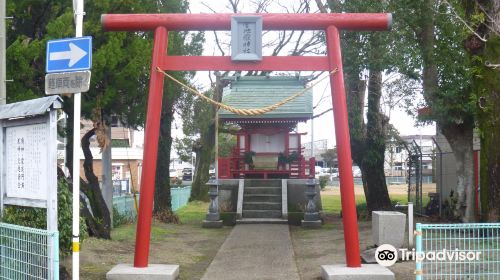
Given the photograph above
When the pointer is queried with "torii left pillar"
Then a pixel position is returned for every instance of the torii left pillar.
(330, 23)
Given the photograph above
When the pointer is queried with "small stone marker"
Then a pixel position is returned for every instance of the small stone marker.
(388, 227)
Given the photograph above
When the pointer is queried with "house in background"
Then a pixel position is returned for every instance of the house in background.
(126, 156)
(320, 147)
(396, 155)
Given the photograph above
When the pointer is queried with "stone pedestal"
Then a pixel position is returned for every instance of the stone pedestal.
(311, 224)
(388, 227)
(151, 272)
(212, 224)
(311, 216)
(365, 272)
(212, 219)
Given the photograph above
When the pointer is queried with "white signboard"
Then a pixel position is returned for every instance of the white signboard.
(26, 161)
(246, 38)
(68, 82)
(28, 155)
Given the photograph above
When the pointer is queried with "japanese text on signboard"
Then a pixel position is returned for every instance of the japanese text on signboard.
(26, 159)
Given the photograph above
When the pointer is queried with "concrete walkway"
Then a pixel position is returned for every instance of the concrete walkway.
(255, 251)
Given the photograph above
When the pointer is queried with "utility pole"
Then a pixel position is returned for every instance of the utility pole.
(3, 53)
(78, 16)
(312, 136)
(107, 180)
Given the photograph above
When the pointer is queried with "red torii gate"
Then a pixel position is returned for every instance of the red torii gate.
(330, 23)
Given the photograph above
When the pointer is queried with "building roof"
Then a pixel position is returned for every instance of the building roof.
(252, 92)
(31, 107)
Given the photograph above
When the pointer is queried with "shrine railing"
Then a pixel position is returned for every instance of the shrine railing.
(300, 168)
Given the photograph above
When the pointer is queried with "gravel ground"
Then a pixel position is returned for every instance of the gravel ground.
(314, 248)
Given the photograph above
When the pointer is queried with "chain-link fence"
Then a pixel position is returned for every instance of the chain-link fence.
(125, 204)
(180, 197)
(28, 253)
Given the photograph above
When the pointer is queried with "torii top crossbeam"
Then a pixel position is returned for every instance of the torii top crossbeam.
(177, 22)
(201, 22)
(161, 24)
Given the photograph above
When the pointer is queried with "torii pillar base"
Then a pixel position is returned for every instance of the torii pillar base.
(365, 272)
(151, 272)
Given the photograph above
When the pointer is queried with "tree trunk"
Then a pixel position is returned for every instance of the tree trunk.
(490, 156)
(162, 198)
(457, 133)
(205, 148)
(460, 139)
(373, 161)
(107, 180)
(487, 85)
(68, 133)
(427, 42)
(357, 129)
(204, 156)
(97, 217)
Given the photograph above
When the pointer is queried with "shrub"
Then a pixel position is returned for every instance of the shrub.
(175, 181)
(122, 218)
(37, 217)
(167, 216)
(293, 156)
(323, 180)
(282, 158)
(248, 157)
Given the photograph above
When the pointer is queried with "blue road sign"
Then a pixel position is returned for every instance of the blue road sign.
(67, 55)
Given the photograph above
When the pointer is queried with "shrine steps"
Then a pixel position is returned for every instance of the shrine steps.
(262, 201)
(262, 206)
(263, 190)
(261, 221)
(261, 214)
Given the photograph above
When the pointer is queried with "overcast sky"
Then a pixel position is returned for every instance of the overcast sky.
(323, 126)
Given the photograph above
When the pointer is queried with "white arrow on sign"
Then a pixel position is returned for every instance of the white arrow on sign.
(74, 54)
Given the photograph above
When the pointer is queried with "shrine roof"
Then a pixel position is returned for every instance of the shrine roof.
(253, 92)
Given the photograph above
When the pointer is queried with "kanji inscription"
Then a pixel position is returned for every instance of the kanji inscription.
(26, 161)
(246, 41)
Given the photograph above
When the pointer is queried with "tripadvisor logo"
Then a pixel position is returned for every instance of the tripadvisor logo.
(387, 255)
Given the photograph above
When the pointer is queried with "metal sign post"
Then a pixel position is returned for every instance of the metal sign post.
(78, 9)
(70, 55)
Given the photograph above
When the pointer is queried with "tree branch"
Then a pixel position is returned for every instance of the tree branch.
(322, 7)
(321, 114)
(464, 22)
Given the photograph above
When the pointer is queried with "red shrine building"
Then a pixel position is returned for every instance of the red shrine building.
(268, 146)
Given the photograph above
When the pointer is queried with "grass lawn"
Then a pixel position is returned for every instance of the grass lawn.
(332, 205)
(186, 244)
(193, 213)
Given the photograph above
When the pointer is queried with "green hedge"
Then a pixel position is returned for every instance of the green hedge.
(37, 217)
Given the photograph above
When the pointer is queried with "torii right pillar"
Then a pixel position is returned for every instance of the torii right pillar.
(354, 269)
